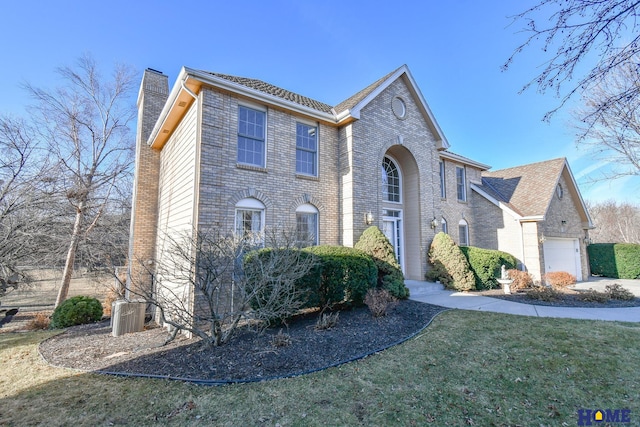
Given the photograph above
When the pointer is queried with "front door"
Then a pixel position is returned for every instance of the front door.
(392, 228)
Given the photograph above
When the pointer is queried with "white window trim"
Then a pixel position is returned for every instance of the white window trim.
(263, 109)
(317, 165)
(249, 204)
(464, 183)
(400, 180)
(466, 233)
(308, 208)
(443, 180)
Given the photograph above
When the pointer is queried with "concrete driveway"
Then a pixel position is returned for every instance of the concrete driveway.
(599, 283)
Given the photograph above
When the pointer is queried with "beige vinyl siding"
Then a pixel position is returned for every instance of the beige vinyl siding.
(176, 201)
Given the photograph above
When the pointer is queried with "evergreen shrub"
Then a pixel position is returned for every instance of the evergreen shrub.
(376, 244)
(447, 258)
(486, 265)
(76, 311)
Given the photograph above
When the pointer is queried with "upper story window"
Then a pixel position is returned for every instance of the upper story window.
(461, 184)
(250, 220)
(559, 191)
(307, 225)
(443, 188)
(251, 136)
(390, 181)
(306, 149)
(463, 233)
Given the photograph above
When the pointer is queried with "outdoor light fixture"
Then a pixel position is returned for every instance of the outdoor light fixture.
(368, 218)
(434, 223)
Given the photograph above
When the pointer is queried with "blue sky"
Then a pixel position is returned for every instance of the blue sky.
(326, 50)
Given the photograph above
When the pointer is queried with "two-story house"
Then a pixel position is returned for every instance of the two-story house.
(238, 154)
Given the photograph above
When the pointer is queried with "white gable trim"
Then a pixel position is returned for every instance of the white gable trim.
(404, 70)
(577, 191)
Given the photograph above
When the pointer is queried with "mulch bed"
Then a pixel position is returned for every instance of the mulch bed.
(567, 298)
(249, 356)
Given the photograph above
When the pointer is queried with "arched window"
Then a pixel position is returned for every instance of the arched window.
(445, 229)
(250, 219)
(390, 181)
(463, 232)
(307, 225)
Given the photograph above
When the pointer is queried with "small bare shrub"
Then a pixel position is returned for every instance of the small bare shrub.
(543, 294)
(559, 279)
(521, 279)
(327, 321)
(616, 291)
(281, 339)
(594, 296)
(379, 302)
(39, 322)
(112, 296)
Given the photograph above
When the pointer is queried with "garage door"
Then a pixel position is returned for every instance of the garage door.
(562, 255)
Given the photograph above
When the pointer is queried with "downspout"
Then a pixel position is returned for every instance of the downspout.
(186, 89)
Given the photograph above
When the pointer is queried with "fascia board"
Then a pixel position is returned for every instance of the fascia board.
(463, 160)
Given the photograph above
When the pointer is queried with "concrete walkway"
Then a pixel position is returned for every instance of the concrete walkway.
(434, 293)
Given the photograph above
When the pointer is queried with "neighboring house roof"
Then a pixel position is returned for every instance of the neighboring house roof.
(528, 189)
(189, 82)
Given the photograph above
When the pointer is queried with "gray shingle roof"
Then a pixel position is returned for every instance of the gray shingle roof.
(527, 189)
(352, 101)
(275, 91)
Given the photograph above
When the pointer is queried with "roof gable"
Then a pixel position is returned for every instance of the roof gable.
(529, 189)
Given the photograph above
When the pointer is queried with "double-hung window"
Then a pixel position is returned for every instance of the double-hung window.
(249, 221)
(443, 189)
(251, 136)
(306, 149)
(461, 184)
(307, 225)
(463, 233)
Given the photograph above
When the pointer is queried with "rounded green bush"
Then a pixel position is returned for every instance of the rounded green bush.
(486, 265)
(447, 258)
(76, 311)
(375, 243)
(346, 274)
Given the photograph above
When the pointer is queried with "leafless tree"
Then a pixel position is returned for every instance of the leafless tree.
(208, 283)
(574, 32)
(615, 223)
(609, 126)
(85, 126)
(27, 202)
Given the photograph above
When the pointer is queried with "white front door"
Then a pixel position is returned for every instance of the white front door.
(392, 228)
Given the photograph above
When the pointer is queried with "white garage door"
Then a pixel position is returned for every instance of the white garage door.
(562, 255)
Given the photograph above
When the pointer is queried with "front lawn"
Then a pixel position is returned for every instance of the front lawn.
(467, 368)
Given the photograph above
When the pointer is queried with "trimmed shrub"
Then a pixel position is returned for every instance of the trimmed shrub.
(521, 279)
(345, 275)
(290, 284)
(486, 265)
(617, 260)
(376, 244)
(543, 294)
(445, 256)
(616, 291)
(593, 296)
(559, 279)
(76, 311)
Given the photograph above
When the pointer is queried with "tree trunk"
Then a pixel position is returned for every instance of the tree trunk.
(71, 256)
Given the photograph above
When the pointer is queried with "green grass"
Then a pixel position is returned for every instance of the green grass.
(467, 368)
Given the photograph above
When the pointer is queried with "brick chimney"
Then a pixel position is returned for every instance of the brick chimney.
(154, 91)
